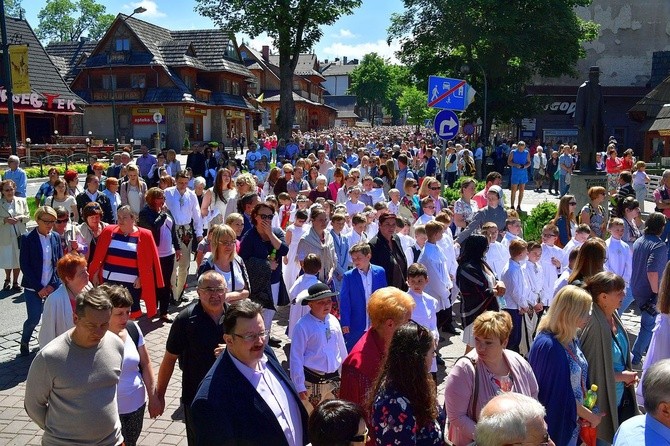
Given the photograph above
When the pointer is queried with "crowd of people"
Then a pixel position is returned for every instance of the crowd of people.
(350, 231)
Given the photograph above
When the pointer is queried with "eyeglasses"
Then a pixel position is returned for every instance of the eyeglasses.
(573, 203)
(545, 441)
(228, 243)
(251, 337)
(48, 222)
(266, 216)
(363, 438)
(221, 290)
(434, 188)
(8, 190)
(60, 222)
(548, 235)
(240, 183)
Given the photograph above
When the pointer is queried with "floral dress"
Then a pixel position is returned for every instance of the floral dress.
(394, 423)
(579, 369)
(466, 209)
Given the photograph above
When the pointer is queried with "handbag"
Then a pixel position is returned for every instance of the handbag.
(556, 175)
(628, 406)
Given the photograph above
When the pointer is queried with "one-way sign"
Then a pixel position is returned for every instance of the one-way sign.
(446, 125)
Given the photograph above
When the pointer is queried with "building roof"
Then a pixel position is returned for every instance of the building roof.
(68, 55)
(306, 66)
(651, 105)
(347, 114)
(662, 121)
(44, 74)
(338, 70)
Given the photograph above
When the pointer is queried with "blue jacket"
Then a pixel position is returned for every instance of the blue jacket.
(549, 361)
(227, 410)
(30, 259)
(353, 306)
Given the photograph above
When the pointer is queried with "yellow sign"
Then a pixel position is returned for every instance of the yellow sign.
(18, 56)
(139, 111)
(234, 114)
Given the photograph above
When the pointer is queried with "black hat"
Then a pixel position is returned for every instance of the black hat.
(317, 291)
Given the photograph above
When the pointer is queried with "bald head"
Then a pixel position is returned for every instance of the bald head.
(511, 418)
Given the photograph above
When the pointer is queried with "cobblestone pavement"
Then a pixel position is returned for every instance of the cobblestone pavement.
(17, 429)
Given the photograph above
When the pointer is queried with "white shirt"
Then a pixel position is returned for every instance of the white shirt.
(571, 246)
(535, 281)
(539, 160)
(318, 345)
(497, 257)
(425, 314)
(423, 219)
(516, 293)
(393, 207)
(619, 258)
(507, 239)
(277, 395)
(355, 237)
(354, 208)
(549, 271)
(166, 247)
(450, 251)
(295, 295)
(184, 208)
(366, 278)
(439, 282)
(562, 280)
(47, 267)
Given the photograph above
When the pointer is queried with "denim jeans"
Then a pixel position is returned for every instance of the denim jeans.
(644, 337)
(627, 300)
(34, 306)
(563, 187)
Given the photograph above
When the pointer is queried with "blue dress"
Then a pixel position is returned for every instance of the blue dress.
(519, 175)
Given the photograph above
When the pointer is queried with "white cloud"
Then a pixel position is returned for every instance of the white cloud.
(345, 34)
(257, 43)
(357, 51)
(151, 7)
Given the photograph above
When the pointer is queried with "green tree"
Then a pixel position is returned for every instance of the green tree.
(508, 43)
(67, 20)
(13, 8)
(370, 82)
(400, 79)
(413, 102)
(294, 26)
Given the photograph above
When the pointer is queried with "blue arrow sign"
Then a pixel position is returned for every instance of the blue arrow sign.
(446, 125)
(446, 93)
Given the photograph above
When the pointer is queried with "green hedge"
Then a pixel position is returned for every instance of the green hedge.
(35, 172)
(535, 221)
(453, 193)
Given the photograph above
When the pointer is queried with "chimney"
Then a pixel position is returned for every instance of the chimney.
(337, 59)
(355, 61)
(325, 62)
(344, 60)
(266, 53)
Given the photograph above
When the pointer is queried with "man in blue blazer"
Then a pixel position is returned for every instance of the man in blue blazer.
(358, 284)
(246, 397)
(38, 283)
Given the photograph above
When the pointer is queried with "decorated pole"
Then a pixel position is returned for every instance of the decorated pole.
(8, 77)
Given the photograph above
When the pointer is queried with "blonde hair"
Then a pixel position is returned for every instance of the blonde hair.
(493, 324)
(568, 307)
(218, 234)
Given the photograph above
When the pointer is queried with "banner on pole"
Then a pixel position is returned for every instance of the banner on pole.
(18, 59)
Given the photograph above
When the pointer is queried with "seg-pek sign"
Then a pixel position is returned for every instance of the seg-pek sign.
(45, 101)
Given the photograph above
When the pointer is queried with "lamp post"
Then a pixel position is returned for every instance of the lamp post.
(7, 74)
(465, 69)
(138, 10)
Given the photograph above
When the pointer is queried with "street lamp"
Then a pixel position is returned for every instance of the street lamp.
(138, 10)
(465, 69)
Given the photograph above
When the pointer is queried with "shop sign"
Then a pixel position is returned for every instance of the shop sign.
(561, 107)
(192, 111)
(145, 116)
(35, 101)
(234, 114)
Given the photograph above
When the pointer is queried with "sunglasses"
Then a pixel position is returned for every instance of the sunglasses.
(60, 222)
(266, 216)
(363, 438)
(434, 188)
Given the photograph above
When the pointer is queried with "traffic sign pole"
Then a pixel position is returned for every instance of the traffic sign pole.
(443, 167)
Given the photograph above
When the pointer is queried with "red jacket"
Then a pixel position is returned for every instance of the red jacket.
(147, 261)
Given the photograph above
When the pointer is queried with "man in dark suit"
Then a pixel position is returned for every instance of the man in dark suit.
(246, 397)
(37, 284)
(387, 252)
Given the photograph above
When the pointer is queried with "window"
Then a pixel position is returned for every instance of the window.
(138, 81)
(188, 80)
(123, 44)
(108, 81)
(225, 86)
(236, 88)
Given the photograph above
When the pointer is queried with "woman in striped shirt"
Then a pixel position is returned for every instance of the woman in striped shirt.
(121, 249)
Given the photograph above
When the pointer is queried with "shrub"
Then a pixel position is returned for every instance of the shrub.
(453, 193)
(35, 172)
(535, 221)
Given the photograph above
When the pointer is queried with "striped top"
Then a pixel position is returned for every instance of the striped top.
(120, 264)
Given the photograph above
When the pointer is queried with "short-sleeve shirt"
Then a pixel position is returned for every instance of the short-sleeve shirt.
(193, 337)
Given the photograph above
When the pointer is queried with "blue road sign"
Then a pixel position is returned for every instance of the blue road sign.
(446, 125)
(446, 93)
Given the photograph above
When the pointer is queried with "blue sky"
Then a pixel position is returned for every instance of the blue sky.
(352, 36)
